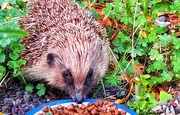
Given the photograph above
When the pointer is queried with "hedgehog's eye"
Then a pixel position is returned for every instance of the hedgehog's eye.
(68, 77)
(50, 59)
(89, 77)
(90, 74)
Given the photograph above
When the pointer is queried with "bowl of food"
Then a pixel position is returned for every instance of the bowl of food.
(88, 107)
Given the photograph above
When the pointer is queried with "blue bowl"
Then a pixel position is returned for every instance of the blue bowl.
(68, 101)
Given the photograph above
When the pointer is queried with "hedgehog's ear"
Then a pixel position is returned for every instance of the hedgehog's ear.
(50, 59)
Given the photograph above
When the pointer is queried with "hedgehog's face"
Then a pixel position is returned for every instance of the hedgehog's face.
(76, 72)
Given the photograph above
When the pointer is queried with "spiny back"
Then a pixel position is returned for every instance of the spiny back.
(55, 22)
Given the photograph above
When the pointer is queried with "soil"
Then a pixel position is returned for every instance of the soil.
(15, 100)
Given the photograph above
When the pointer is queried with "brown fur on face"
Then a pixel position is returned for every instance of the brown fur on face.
(66, 47)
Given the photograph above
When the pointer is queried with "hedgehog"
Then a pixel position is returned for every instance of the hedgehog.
(66, 47)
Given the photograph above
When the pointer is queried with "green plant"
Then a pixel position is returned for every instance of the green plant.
(10, 47)
(40, 87)
(142, 42)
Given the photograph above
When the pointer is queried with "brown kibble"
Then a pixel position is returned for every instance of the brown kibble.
(110, 104)
(109, 113)
(90, 107)
(59, 106)
(65, 111)
(116, 112)
(93, 111)
(112, 108)
(105, 102)
(71, 113)
(70, 107)
(89, 104)
(122, 112)
(96, 104)
(81, 110)
(45, 109)
(100, 103)
(97, 108)
(77, 114)
(83, 106)
(54, 110)
(104, 108)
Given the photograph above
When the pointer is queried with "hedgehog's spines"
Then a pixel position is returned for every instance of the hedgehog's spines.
(77, 43)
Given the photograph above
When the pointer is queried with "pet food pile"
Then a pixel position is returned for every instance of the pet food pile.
(97, 108)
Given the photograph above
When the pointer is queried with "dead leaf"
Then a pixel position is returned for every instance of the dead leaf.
(115, 25)
(114, 36)
(160, 88)
(138, 68)
(143, 33)
(105, 22)
(149, 19)
(156, 93)
(119, 101)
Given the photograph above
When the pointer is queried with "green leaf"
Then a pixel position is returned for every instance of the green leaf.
(94, 13)
(107, 9)
(14, 56)
(140, 20)
(2, 57)
(12, 33)
(5, 42)
(175, 7)
(127, 20)
(152, 100)
(165, 39)
(164, 96)
(130, 104)
(162, 6)
(29, 87)
(152, 37)
(16, 47)
(176, 66)
(41, 92)
(40, 86)
(142, 104)
(176, 43)
(157, 65)
(112, 79)
(138, 51)
(41, 89)
(155, 80)
(17, 74)
(16, 64)
(2, 71)
(166, 76)
(144, 79)
(177, 76)
(123, 37)
(155, 55)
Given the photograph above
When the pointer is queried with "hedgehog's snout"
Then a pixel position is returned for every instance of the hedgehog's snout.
(78, 98)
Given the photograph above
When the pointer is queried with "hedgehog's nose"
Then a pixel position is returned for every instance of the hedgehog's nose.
(79, 98)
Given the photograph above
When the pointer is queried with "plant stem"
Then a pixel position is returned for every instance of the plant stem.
(103, 87)
(128, 8)
(145, 7)
(137, 81)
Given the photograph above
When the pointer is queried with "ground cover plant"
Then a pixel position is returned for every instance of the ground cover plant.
(10, 47)
(144, 51)
(144, 46)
